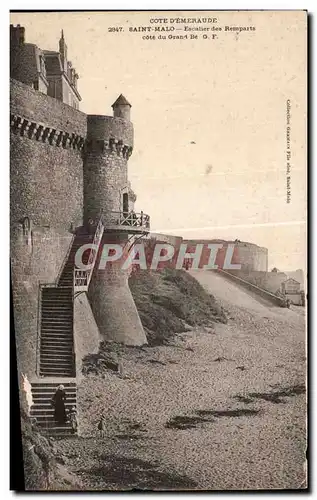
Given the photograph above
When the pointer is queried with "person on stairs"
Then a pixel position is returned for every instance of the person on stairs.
(58, 402)
(72, 415)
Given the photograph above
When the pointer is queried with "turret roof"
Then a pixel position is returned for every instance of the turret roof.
(121, 101)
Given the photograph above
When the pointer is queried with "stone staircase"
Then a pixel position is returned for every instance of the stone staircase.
(57, 344)
(57, 357)
(43, 410)
(66, 278)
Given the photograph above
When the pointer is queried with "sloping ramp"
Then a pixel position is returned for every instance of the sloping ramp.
(232, 292)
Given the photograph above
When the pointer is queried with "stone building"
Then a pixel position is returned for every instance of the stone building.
(69, 187)
(48, 71)
(291, 289)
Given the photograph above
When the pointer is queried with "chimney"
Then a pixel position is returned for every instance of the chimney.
(17, 35)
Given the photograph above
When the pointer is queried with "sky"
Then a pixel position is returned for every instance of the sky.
(209, 116)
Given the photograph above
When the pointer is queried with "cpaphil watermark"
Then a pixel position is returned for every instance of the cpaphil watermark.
(154, 257)
(288, 151)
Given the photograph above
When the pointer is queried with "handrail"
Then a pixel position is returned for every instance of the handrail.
(132, 219)
(64, 260)
(82, 277)
(94, 251)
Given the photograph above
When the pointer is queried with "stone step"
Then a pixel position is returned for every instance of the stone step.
(42, 384)
(57, 335)
(47, 330)
(58, 363)
(65, 296)
(57, 328)
(40, 398)
(58, 296)
(60, 325)
(61, 310)
(54, 367)
(56, 373)
(45, 391)
(52, 354)
(45, 402)
(51, 424)
(47, 351)
(51, 340)
(56, 322)
(58, 355)
(48, 412)
(57, 331)
(64, 293)
(38, 407)
(45, 418)
(58, 431)
(56, 318)
(50, 345)
(60, 303)
(58, 369)
(57, 315)
(65, 335)
(50, 388)
(53, 306)
(63, 329)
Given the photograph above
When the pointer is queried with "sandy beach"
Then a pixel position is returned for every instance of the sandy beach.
(221, 408)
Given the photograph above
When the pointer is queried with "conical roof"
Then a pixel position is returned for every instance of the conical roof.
(121, 101)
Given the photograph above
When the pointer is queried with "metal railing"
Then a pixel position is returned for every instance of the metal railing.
(94, 251)
(132, 219)
(65, 260)
(140, 221)
(82, 277)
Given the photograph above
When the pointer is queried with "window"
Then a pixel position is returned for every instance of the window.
(125, 203)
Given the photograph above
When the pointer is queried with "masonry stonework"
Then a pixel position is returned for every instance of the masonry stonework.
(109, 145)
(67, 169)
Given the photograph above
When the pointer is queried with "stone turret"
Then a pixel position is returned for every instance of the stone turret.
(121, 108)
(106, 195)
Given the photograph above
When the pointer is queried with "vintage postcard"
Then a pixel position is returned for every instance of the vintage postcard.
(158, 248)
